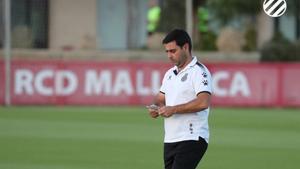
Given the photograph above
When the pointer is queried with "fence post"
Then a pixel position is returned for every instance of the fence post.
(7, 49)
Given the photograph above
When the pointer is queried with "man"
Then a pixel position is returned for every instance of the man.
(183, 101)
(153, 17)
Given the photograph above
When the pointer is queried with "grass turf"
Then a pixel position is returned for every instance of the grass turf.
(127, 138)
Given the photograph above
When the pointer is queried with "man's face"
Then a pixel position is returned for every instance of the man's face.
(176, 54)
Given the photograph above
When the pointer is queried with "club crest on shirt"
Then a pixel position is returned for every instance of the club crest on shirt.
(184, 77)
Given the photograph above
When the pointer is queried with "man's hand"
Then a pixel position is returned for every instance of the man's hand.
(166, 111)
(153, 110)
(153, 113)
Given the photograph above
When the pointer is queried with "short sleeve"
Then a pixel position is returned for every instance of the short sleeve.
(202, 81)
(163, 85)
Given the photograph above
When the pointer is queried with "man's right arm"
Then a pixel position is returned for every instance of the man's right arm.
(159, 99)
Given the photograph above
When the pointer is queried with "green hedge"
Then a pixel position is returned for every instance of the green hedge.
(280, 49)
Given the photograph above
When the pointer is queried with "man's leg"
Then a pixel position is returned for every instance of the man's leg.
(169, 154)
(189, 154)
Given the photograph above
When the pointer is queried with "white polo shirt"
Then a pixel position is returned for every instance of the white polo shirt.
(180, 88)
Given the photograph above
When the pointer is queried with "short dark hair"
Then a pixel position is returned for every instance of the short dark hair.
(180, 36)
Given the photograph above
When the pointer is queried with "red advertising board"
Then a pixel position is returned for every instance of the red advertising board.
(245, 84)
(57, 82)
(289, 85)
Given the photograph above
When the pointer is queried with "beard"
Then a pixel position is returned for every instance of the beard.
(181, 60)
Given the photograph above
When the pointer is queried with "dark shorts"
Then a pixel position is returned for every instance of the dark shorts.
(184, 154)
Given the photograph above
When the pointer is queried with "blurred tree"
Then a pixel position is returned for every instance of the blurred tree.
(172, 15)
(294, 9)
(225, 10)
(297, 12)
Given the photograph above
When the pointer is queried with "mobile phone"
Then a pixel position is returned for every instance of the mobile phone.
(153, 107)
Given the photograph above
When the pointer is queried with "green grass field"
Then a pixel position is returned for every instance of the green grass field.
(127, 138)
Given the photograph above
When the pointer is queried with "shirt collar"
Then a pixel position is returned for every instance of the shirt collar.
(191, 64)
